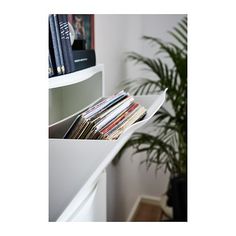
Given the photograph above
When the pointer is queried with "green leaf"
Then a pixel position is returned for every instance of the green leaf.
(167, 146)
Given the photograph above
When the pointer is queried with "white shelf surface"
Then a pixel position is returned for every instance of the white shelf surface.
(75, 77)
(75, 165)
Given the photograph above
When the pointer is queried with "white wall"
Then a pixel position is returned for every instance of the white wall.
(115, 35)
(113, 38)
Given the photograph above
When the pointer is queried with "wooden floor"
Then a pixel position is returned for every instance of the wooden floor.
(148, 212)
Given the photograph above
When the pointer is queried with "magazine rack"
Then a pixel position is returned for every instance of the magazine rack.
(77, 177)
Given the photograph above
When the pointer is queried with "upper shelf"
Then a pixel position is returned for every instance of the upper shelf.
(75, 77)
(76, 164)
(72, 92)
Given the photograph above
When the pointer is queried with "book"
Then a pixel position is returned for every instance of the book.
(61, 23)
(68, 44)
(51, 53)
(83, 31)
(55, 44)
(55, 17)
(84, 58)
(64, 60)
(50, 67)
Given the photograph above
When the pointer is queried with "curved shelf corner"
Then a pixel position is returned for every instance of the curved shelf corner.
(74, 77)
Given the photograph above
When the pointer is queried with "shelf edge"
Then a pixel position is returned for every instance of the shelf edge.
(75, 77)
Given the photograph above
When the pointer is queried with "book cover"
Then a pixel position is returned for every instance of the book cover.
(83, 31)
(68, 44)
(61, 23)
(84, 58)
(55, 17)
(51, 53)
(54, 44)
(50, 67)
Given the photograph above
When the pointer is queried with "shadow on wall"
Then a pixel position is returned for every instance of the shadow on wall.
(127, 181)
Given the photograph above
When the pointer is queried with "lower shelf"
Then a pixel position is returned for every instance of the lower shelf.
(90, 205)
(75, 165)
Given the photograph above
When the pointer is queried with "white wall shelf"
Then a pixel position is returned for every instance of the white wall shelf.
(76, 166)
(72, 92)
(75, 77)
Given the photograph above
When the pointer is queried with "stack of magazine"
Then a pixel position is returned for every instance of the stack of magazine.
(107, 119)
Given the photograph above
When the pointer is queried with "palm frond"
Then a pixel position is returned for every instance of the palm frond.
(180, 37)
(175, 53)
(141, 86)
(167, 145)
(183, 27)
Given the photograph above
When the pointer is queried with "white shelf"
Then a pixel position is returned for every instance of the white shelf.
(75, 77)
(72, 92)
(75, 165)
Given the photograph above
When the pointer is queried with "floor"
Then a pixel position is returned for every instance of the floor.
(149, 212)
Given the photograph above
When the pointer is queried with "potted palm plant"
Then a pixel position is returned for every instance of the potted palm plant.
(166, 148)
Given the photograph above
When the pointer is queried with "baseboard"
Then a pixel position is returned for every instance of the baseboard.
(146, 199)
(134, 208)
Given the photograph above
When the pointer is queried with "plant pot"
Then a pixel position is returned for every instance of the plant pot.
(177, 197)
